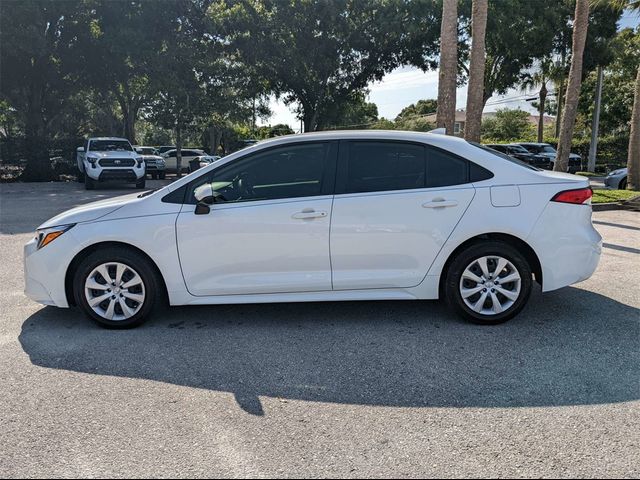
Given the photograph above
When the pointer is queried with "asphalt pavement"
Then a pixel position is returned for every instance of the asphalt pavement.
(349, 389)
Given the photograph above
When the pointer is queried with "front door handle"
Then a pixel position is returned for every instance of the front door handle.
(440, 203)
(308, 213)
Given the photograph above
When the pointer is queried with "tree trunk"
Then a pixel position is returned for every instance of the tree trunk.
(215, 137)
(130, 127)
(543, 100)
(595, 123)
(446, 112)
(633, 160)
(560, 89)
(179, 148)
(38, 168)
(475, 93)
(580, 24)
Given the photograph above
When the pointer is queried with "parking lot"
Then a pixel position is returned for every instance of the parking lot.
(352, 389)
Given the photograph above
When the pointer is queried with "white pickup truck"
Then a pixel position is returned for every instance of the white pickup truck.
(104, 159)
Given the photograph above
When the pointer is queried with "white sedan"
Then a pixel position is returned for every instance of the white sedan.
(324, 217)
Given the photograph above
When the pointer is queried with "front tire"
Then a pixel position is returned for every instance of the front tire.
(141, 183)
(623, 184)
(488, 283)
(162, 175)
(117, 288)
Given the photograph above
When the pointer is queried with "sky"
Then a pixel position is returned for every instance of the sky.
(406, 85)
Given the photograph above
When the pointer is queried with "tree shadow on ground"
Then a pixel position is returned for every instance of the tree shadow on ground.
(570, 347)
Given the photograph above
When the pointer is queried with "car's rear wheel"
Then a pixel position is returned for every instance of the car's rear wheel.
(488, 283)
(117, 288)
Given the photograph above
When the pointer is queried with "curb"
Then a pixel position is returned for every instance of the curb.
(603, 207)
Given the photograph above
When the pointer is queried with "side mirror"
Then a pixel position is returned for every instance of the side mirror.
(205, 196)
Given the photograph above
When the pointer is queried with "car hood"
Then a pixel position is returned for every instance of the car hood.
(90, 211)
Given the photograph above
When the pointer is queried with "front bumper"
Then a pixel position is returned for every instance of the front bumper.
(44, 270)
(613, 181)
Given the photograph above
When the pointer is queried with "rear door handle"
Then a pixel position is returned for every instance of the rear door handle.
(440, 204)
(306, 214)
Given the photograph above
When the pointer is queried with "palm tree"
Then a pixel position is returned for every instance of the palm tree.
(580, 24)
(633, 159)
(446, 113)
(475, 93)
(539, 78)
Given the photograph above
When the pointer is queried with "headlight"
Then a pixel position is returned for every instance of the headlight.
(92, 160)
(47, 235)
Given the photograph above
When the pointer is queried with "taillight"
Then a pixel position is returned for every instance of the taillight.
(579, 196)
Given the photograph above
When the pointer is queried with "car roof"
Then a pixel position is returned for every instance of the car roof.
(435, 139)
(108, 138)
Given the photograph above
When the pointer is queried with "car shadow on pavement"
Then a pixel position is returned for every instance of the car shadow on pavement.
(570, 347)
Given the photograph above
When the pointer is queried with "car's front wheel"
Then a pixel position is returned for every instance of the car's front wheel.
(116, 287)
(623, 184)
(141, 182)
(488, 283)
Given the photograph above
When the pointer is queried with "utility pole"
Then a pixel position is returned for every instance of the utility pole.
(593, 147)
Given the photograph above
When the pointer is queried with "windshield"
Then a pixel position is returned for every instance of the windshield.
(547, 149)
(109, 146)
(146, 150)
(505, 157)
(518, 149)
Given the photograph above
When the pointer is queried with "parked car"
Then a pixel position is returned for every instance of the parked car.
(188, 154)
(103, 159)
(205, 160)
(521, 153)
(617, 179)
(546, 150)
(154, 163)
(328, 216)
(165, 148)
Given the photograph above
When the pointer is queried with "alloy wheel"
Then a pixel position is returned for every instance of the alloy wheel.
(114, 291)
(490, 285)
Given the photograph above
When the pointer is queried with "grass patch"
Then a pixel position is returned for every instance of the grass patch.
(590, 174)
(606, 196)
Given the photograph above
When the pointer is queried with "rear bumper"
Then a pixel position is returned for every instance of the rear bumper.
(567, 245)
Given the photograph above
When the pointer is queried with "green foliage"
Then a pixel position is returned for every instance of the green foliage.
(506, 125)
(352, 113)
(617, 87)
(317, 54)
(420, 108)
(273, 131)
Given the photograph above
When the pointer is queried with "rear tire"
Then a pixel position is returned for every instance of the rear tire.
(141, 183)
(477, 298)
(137, 271)
(89, 183)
